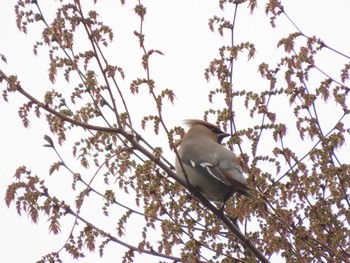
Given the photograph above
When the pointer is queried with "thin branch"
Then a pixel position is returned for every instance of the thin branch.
(134, 142)
(79, 72)
(93, 44)
(302, 34)
(92, 189)
(76, 215)
(217, 212)
(306, 154)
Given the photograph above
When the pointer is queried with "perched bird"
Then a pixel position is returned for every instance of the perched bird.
(211, 168)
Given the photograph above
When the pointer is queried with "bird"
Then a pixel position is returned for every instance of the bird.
(208, 166)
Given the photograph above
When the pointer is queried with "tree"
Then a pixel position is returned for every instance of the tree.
(293, 158)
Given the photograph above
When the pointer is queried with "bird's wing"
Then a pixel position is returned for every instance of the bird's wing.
(206, 165)
(237, 181)
(215, 172)
(232, 175)
(227, 173)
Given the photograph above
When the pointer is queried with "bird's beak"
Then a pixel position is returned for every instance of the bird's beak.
(222, 136)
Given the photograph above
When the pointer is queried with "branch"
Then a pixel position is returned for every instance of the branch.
(68, 210)
(15, 86)
(204, 201)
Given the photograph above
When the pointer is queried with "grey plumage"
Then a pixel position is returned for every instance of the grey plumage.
(210, 167)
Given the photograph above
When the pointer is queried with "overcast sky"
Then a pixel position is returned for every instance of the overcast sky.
(177, 28)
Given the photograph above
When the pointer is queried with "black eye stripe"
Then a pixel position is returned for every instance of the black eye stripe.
(214, 130)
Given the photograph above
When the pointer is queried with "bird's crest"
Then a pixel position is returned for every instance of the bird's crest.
(215, 129)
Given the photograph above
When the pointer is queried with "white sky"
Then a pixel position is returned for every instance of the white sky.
(177, 28)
